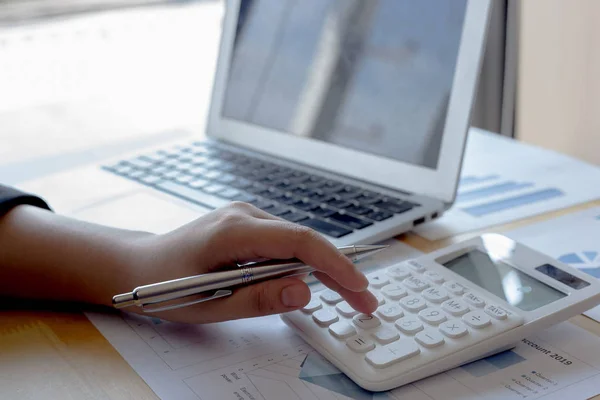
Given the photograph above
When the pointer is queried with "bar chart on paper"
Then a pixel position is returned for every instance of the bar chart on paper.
(504, 181)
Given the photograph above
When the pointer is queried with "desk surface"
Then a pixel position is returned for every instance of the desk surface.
(60, 355)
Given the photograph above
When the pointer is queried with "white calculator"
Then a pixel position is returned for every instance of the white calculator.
(444, 309)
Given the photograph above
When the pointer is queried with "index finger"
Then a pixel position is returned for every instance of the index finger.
(283, 240)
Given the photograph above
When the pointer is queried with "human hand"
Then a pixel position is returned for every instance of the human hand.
(240, 233)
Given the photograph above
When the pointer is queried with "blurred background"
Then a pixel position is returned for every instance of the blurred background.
(82, 80)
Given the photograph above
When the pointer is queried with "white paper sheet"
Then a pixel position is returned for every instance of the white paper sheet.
(504, 180)
(573, 239)
(263, 359)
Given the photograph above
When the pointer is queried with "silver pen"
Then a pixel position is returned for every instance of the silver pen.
(160, 296)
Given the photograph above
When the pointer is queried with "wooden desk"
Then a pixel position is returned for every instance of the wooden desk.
(60, 355)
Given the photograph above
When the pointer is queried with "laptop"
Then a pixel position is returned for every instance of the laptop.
(349, 117)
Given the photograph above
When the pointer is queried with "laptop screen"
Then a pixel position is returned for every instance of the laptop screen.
(371, 75)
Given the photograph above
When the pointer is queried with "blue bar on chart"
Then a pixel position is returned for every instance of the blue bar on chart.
(512, 202)
(470, 180)
(488, 191)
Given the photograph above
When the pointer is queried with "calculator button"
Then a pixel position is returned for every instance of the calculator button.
(435, 294)
(346, 309)
(312, 306)
(390, 312)
(325, 317)
(455, 307)
(360, 344)
(378, 280)
(413, 303)
(474, 300)
(385, 356)
(433, 316)
(434, 277)
(495, 312)
(379, 297)
(394, 291)
(409, 325)
(330, 296)
(476, 319)
(397, 272)
(453, 329)
(454, 287)
(415, 284)
(386, 335)
(429, 338)
(415, 266)
(342, 330)
(366, 321)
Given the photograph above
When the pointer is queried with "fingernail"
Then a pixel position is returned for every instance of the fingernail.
(294, 296)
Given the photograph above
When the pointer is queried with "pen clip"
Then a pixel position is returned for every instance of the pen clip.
(216, 295)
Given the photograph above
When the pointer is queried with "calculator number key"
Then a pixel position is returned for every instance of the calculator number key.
(429, 338)
(342, 330)
(390, 312)
(409, 325)
(386, 335)
(385, 356)
(455, 307)
(495, 312)
(325, 317)
(435, 295)
(453, 329)
(413, 303)
(397, 272)
(474, 300)
(476, 319)
(346, 309)
(366, 321)
(434, 277)
(378, 280)
(415, 266)
(360, 344)
(454, 287)
(415, 284)
(433, 316)
(312, 306)
(394, 291)
(330, 296)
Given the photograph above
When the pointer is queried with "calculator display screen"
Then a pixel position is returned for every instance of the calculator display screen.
(514, 286)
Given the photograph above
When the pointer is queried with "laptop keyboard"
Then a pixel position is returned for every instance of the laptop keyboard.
(326, 205)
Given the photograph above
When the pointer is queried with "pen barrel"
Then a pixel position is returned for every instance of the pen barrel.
(179, 288)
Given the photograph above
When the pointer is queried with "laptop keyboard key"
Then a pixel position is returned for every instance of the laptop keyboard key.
(322, 212)
(305, 205)
(337, 202)
(244, 197)
(294, 216)
(326, 228)
(358, 209)
(379, 215)
(259, 202)
(198, 183)
(351, 221)
(228, 193)
(214, 188)
(141, 163)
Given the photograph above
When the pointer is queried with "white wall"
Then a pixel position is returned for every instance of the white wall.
(558, 103)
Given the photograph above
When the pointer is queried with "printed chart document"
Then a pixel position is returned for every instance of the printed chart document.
(504, 180)
(262, 359)
(573, 239)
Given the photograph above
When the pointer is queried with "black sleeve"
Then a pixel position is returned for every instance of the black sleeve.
(10, 198)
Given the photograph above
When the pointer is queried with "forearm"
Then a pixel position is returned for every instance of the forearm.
(47, 256)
